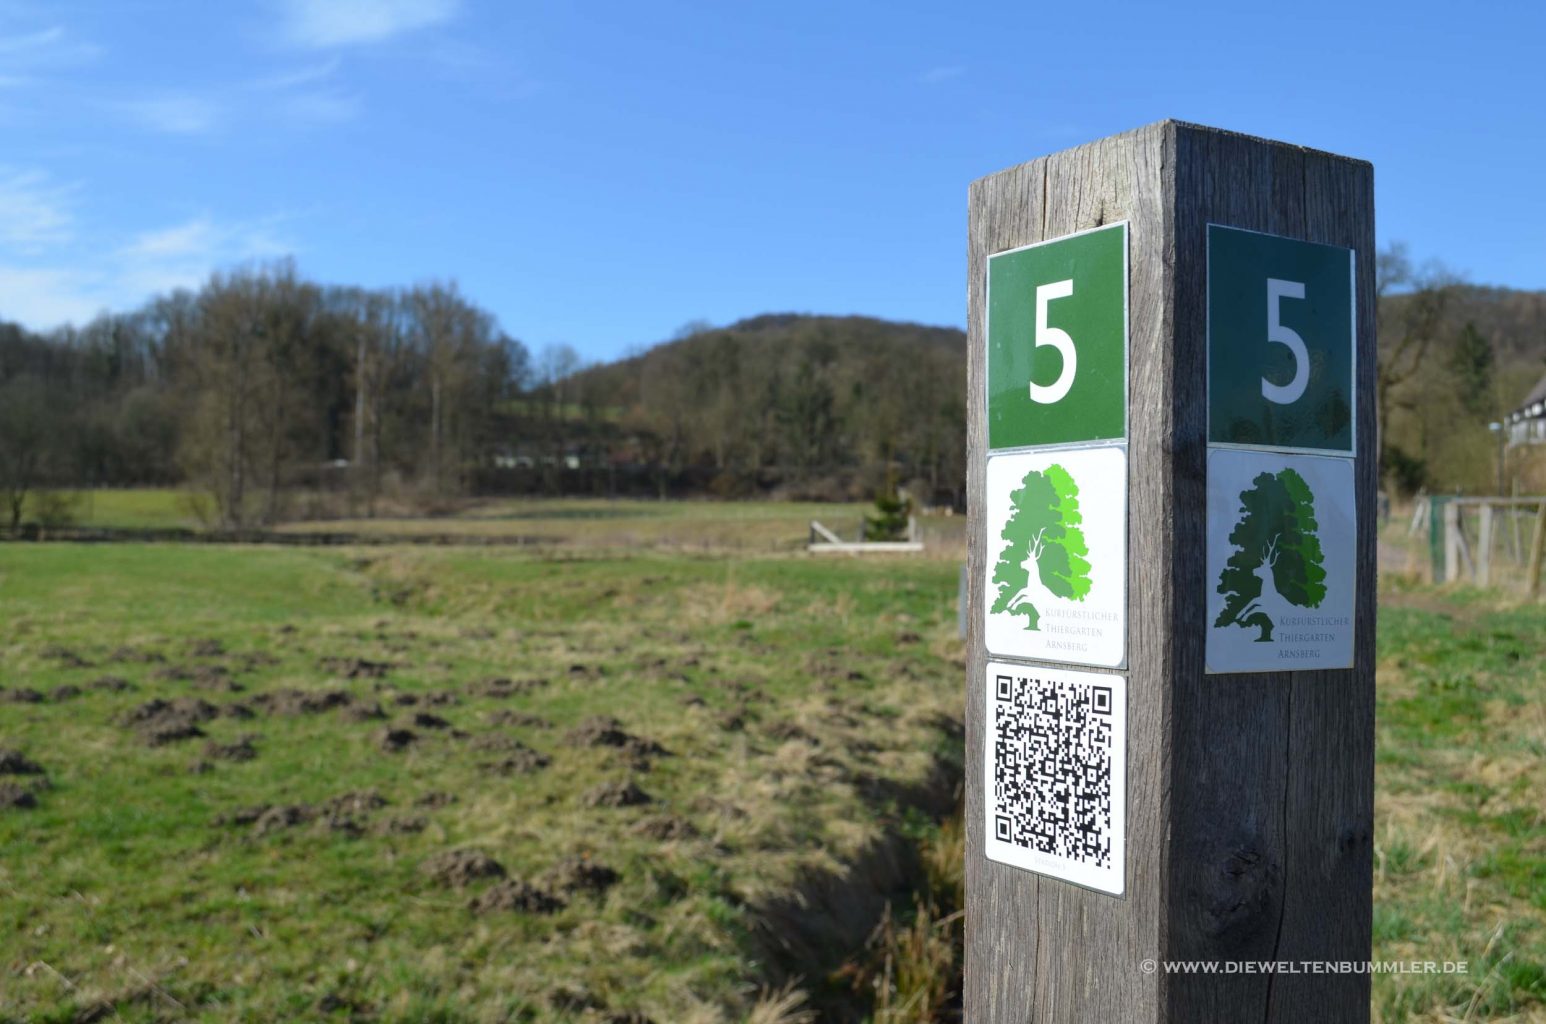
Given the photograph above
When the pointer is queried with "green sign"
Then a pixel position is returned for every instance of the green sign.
(1280, 342)
(1057, 341)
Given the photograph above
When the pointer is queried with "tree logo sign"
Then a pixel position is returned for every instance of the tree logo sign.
(1280, 561)
(1057, 526)
(1044, 553)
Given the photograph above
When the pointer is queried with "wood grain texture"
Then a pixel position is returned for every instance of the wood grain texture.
(1250, 797)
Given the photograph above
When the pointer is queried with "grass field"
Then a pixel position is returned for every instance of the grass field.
(268, 846)
(1460, 806)
(146, 508)
(743, 526)
(263, 847)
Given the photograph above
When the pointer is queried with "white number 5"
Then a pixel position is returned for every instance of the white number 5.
(1277, 291)
(1058, 339)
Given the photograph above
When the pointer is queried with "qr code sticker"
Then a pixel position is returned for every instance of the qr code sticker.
(1057, 773)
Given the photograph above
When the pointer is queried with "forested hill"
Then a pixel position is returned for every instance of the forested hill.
(816, 404)
(1454, 358)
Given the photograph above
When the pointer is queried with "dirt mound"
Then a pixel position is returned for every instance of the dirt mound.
(617, 794)
(64, 693)
(215, 677)
(460, 868)
(502, 688)
(363, 712)
(518, 718)
(241, 750)
(361, 801)
(597, 731)
(192, 707)
(236, 709)
(111, 684)
(254, 660)
(210, 648)
(515, 895)
(523, 761)
(172, 674)
(302, 702)
(336, 814)
(160, 722)
(425, 720)
(274, 819)
(394, 740)
(605, 731)
(664, 827)
(403, 826)
(13, 796)
(24, 695)
(14, 762)
(581, 874)
(64, 656)
(436, 798)
(441, 699)
(356, 668)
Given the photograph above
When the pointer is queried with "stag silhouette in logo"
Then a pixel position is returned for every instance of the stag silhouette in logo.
(1043, 558)
(1277, 563)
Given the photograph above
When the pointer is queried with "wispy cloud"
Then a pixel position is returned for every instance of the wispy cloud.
(46, 298)
(309, 75)
(934, 76)
(183, 255)
(175, 114)
(153, 262)
(48, 47)
(331, 23)
(35, 213)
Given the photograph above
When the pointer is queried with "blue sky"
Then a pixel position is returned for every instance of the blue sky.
(598, 174)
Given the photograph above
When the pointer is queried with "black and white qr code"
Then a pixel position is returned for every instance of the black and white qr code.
(1055, 788)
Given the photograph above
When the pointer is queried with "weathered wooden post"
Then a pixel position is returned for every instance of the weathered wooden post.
(1170, 682)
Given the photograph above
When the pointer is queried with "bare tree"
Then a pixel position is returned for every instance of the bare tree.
(1411, 305)
(24, 430)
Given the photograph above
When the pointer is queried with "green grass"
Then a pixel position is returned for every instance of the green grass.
(147, 508)
(122, 888)
(1460, 868)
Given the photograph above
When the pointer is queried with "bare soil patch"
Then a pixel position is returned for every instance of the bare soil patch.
(617, 794)
(461, 867)
(512, 894)
(159, 722)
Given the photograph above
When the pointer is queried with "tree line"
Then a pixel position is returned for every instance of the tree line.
(257, 386)
(267, 396)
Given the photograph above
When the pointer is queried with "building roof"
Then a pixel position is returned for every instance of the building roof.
(1537, 396)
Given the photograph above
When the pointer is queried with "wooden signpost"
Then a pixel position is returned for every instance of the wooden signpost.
(1170, 681)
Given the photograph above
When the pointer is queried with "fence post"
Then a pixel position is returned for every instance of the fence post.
(1484, 548)
(1247, 794)
(1451, 542)
(1537, 542)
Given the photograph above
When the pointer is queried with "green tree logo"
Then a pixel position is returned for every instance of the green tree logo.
(1277, 559)
(1044, 553)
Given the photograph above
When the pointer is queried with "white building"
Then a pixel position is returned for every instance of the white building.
(1527, 424)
